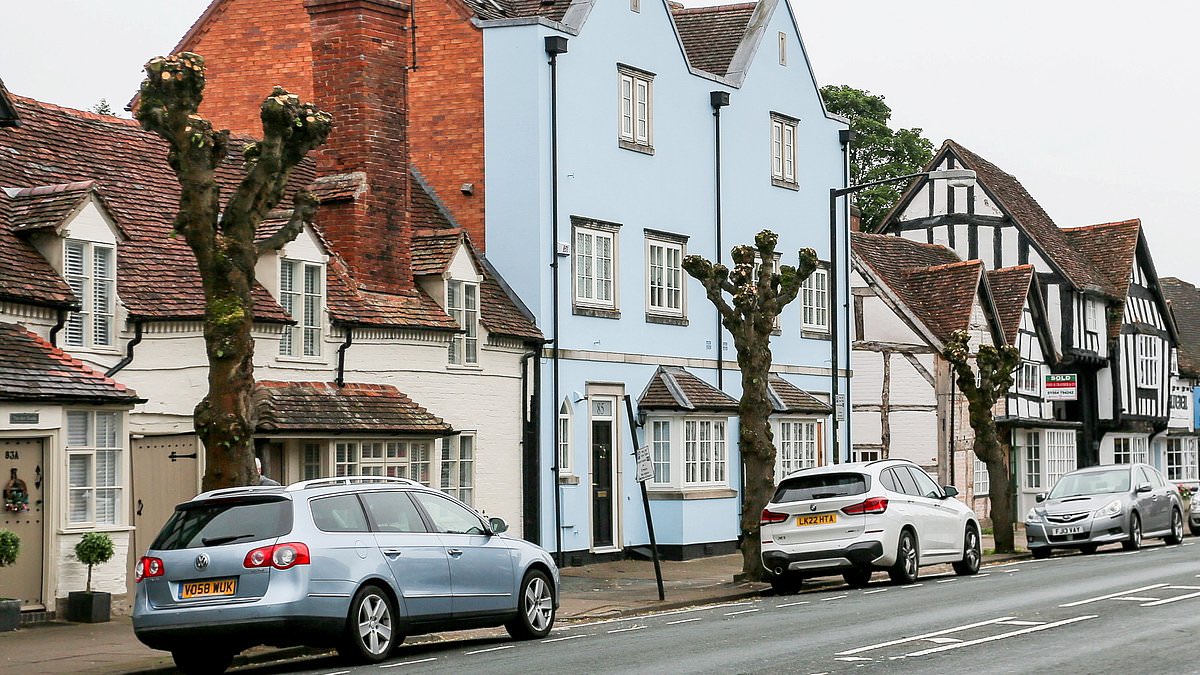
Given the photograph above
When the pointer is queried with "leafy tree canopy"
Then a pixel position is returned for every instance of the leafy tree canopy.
(877, 152)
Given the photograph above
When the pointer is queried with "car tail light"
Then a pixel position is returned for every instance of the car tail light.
(771, 517)
(147, 567)
(872, 505)
(279, 556)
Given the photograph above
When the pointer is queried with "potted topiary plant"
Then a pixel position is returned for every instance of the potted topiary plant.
(96, 548)
(10, 608)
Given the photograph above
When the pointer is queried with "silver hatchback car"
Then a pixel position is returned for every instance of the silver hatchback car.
(1117, 503)
(356, 563)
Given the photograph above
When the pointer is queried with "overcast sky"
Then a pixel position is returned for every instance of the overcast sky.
(1091, 105)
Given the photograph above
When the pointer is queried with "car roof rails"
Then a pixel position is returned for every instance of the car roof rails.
(351, 480)
(893, 459)
(240, 489)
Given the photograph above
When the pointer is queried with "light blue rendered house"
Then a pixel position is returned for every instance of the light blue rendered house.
(626, 136)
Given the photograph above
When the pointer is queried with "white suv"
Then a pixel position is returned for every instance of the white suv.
(857, 518)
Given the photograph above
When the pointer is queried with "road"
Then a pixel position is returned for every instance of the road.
(1112, 612)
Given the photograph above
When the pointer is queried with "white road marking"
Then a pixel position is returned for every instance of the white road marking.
(993, 638)
(912, 585)
(925, 636)
(744, 611)
(695, 618)
(406, 663)
(338, 672)
(1112, 595)
(983, 574)
(852, 658)
(1016, 622)
(569, 637)
(884, 590)
(1135, 598)
(942, 640)
(492, 649)
(1163, 602)
(1185, 588)
(793, 604)
(945, 581)
(625, 630)
(836, 597)
(673, 612)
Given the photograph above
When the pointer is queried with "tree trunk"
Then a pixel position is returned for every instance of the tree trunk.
(757, 448)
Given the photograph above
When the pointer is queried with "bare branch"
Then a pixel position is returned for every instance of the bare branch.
(304, 208)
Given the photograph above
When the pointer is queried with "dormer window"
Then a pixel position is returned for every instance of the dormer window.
(1091, 319)
(301, 295)
(462, 303)
(90, 271)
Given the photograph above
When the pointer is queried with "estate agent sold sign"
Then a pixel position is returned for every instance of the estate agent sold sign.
(1061, 387)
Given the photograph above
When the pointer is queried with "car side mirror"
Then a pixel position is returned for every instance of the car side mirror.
(1041, 497)
(1144, 487)
(498, 525)
(950, 491)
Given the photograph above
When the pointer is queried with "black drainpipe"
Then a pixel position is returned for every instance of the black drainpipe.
(718, 100)
(62, 321)
(137, 338)
(555, 45)
(531, 506)
(341, 367)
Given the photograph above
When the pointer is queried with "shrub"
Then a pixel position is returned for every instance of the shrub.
(96, 548)
(10, 546)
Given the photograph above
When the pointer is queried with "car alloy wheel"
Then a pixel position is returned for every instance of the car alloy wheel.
(907, 562)
(1134, 542)
(535, 608)
(972, 555)
(1176, 536)
(370, 627)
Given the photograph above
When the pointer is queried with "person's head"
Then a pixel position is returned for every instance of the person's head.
(258, 466)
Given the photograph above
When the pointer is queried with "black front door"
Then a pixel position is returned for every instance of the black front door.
(602, 472)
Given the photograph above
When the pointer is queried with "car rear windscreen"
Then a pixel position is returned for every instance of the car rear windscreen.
(225, 521)
(820, 486)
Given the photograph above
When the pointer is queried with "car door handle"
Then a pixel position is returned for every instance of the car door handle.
(454, 552)
(392, 551)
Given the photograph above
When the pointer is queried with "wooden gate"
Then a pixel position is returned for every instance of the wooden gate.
(22, 482)
(159, 483)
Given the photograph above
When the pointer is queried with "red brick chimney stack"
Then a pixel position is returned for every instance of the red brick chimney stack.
(360, 52)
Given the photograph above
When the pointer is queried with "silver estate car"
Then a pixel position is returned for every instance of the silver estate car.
(355, 563)
(1109, 504)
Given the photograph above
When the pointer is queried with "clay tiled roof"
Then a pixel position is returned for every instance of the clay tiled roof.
(1029, 215)
(34, 370)
(788, 398)
(513, 9)
(322, 407)
(432, 253)
(1010, 290)
(501, 311)
(8, 112)
(340, 186)
(46, 206)
(711, 35)
(1111, 248)
(350, 304)
(937, 287)
(1185, 306)
(25, 275)
(673, 388)
(157, 276)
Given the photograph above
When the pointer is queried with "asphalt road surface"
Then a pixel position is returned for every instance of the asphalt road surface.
(1112, 612)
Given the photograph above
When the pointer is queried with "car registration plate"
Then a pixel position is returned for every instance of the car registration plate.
(208, 589)
(816, 519)
(1075, 529)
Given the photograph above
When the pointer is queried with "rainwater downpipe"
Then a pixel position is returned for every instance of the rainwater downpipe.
(341, 361)
(137, 338)
(555, 45)
(849, 136)
(62, 321)
(718, 100)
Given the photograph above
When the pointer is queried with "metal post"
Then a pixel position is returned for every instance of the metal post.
(633, 425)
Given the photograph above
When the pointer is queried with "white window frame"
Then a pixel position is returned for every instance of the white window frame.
(1061, 456)
(814, 301)
(311, 466)
(981, 481)
(1029, 375)
(665, 280)
(784, 131)
(1130, 450)
(1148, 363)
(861, 454)
(1181, 459)
(411, 458)
(306, 304)
(456, 468)
(798, 444)
(1091, 321)
(594, 275)
(95, 462)
(689, 452)
(1030, 456)
(635, 108)
(564, 437)
(462, 304)
(94, 325)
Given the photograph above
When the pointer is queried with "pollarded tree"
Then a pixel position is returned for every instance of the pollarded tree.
(758, 293)
(222, 236)
(982, 385)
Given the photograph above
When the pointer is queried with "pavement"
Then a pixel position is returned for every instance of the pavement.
(590, 592)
